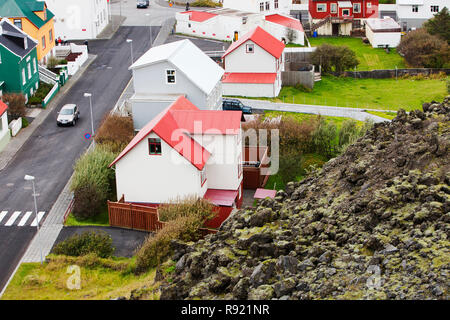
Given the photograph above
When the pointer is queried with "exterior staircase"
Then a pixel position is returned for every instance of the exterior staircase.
(317, 76)
(320, 23)
(47, 76)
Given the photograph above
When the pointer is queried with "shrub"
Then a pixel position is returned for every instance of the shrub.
(24, 122)
(93, 182)
(349, 132)
(206, 3)
(89, 242)
(448, 86)
(187, 207)
(290, 166)
(34, 100)
(323, 137)
(16, 105)
(334, 58)
(52, 62)
(155, 249)
(115, 132)
(424, 50)
(296, 136)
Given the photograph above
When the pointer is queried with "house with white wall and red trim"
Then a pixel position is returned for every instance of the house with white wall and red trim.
(253, 65)
(183, 151)
(168, 71)
(230, 24)
(260, 6)
(332, 17)
(5, 135)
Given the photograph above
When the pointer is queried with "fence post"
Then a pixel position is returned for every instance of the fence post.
(131, 215)
(109, 211)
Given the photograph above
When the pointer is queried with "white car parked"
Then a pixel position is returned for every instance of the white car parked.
(68, 115)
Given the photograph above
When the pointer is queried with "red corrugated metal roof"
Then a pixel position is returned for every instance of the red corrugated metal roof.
(3, 107)
(264, 193)
(235, 77)
(285, 21)
(263, 39)
(180, 117)
(221, 197)
(199, 16)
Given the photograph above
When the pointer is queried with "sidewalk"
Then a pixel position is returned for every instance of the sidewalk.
(111, 28)
(355, 113)
(18, 141)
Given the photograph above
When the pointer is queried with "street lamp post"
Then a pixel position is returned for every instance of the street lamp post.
(89, 95)
(130, 41)
(150, 27)
(31, 178)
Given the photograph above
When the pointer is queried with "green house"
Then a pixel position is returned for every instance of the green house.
(18, 61)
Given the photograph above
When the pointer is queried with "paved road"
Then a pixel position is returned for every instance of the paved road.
(50, 153)
(354, 113)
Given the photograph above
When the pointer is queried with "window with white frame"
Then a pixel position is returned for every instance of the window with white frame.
(0, 58)
(18, 23)
(34, 66)
(250, 48)
(203, 177)
(369, 4)
(333, 7)
(415, 8)
(170, 76)
(321, 7)
(357, 7)
(267, 5)
(261, 6)
(275, 4)
(24, 79)
(29, 70)
(345, 12)
(434, 8)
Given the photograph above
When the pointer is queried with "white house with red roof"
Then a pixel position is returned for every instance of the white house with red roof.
(229, 24)
(165, 72)
(253, 65)
(5, 135)
(383, 32)
(260, 6)
(183, 151)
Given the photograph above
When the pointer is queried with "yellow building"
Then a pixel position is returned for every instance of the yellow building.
(35, 19)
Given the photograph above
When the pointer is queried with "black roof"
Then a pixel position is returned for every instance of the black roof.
(14, 40)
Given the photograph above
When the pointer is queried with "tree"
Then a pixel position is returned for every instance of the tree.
(423, 50)
(439, 25)
(291, 35)
(334, 58)
(16, 105)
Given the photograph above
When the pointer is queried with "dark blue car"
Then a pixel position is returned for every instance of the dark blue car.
(235, 104)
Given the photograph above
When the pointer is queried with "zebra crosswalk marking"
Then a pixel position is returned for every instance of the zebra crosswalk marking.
(39, 217)
(13, 218)
(24, 219)
(2, 215)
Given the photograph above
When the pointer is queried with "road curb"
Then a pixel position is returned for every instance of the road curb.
(16, 144)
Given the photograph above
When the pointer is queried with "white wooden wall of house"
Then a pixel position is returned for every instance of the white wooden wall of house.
(252, 89)
(284, 6)
(222, 168)
(279, 32)
(405, 10)
(79, 19)
(156, 178)
(4, 131)
(377, 39)
(260, 61)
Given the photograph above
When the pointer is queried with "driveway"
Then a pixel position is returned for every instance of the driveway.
(123, 240)
(50, 153)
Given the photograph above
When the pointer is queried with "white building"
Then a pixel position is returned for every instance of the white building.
(411, 14)
(260, 6)
(79, 19)
(229, 24)
(171, 70)
(383, 32)
(5, 136)
(253, 65)
(183, 151)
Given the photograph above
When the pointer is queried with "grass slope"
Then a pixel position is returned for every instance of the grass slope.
(369, 58)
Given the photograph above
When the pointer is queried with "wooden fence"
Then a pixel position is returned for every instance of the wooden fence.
(132, 216)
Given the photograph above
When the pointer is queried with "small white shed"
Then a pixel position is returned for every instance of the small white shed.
(383, 32)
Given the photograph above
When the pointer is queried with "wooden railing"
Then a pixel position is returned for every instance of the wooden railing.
(132, 216)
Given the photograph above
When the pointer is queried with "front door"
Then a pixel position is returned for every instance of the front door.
(335, 29)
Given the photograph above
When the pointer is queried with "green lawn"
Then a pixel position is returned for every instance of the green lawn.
(102, 219)
(382, 94)
(101, 279)
(387, 115)
(369, 58)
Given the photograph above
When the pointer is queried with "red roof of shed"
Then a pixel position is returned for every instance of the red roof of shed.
(264, 193)
(263, 39)
(199, 16)
(3, 107)
(221, 197)
(285, 21)
(185, 117)
(235, 77)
